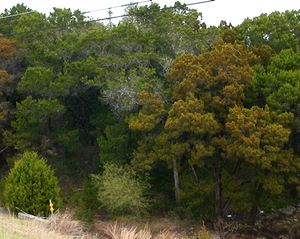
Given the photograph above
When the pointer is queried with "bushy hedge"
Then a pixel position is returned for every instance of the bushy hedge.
(30, 185)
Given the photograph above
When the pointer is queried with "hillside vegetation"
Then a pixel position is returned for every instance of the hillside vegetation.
(158, 116)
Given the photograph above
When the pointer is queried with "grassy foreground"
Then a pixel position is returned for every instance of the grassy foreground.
(13, 228)
(64, 227)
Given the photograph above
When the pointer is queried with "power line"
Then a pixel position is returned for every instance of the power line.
(74, 14)
(108, 18)
(14, 15)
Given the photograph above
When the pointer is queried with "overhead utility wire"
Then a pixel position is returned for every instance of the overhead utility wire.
(108, 18)
(74, 14)
(23, 13)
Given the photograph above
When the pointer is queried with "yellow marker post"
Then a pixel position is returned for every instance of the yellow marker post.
(51, 207)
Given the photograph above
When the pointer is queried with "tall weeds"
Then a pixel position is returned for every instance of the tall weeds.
(65, 224)
(118, 230)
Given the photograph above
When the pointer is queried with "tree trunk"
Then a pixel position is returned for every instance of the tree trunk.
(176, 182)
(252, 215)
(254, 208)
(218, 194)
(195, 174)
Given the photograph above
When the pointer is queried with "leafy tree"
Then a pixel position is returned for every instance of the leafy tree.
(112, 69)
(116, 144)
(33, 124)
(121, 88)
(7, 23)
(193, 134)
(173, 30)
(121, 191)
(30, 23)
(6, 49)
(70, 98)
(278, 30)
(229, 34)
(63, 17)
(4, 79)
(184, 134)
(221, 183)
(277, 85)
(30, 185)
(86, 201)
(41, 82)
(264, 165)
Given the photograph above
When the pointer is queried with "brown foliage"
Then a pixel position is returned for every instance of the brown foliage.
(6, 46)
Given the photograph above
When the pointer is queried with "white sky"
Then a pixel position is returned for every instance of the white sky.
(232, 11)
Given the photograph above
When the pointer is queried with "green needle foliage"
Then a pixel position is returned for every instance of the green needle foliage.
(30, 185)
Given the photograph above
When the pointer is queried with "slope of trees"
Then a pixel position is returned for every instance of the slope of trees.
(210, 115)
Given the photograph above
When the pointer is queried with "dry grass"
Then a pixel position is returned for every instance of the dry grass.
(12, 228)
(63, 226)
(117, 230)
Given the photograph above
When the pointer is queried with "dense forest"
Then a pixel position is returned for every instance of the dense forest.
(156, 115)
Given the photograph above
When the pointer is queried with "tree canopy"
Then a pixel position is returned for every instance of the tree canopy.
(210, 114)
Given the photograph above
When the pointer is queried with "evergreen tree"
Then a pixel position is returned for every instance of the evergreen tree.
(30, 185)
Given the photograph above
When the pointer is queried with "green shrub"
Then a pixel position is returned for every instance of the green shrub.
(85, 201)
(30, 185)
(121, 192)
